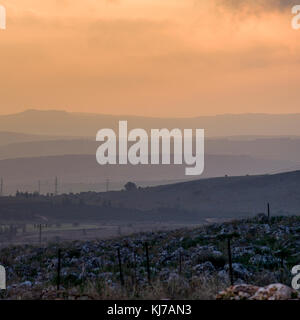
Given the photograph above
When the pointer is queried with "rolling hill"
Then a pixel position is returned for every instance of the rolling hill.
(276, 148)
(219, 197)
(80, 172)
(83, 124)
(197, 201)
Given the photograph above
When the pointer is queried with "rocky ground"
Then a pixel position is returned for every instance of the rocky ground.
(183, 264)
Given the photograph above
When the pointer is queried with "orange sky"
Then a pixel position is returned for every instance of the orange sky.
(150, 57)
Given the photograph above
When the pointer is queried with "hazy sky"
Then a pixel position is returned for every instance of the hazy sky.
(150, 57)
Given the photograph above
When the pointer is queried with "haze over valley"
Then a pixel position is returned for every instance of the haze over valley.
(37, 146)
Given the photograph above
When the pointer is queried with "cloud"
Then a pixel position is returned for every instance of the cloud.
(257, 6)
(148, 57)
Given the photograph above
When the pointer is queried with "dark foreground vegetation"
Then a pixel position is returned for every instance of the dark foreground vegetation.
(181, 264)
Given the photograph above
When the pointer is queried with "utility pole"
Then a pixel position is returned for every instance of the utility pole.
(40, 228)
(56, 186)
(1, 188)
(107, 185)
(39, 187)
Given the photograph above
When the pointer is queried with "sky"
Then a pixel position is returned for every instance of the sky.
(179, 58)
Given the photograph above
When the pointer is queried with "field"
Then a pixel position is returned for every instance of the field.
(41, 234)
(186, 263)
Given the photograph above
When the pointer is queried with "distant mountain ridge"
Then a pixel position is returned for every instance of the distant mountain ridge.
(24, 146)
(7, 138)
(63, 123)
(83, 171)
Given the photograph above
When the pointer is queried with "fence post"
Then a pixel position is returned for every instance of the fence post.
(58, 269)
(120, 267)
(148, 263)
(40, 234)
(180, 263)
(230, 262)
(135, 267)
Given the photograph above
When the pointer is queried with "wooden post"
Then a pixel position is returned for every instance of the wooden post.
(40, 234)
(148, 262)
(135, 267)
(180, 263)
(58, 269)
(120, 267)
(269, 211)
(230, 262)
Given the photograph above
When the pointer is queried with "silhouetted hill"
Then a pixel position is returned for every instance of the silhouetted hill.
(219, 197)
(84, 124)
(7, 137)
(23, 173)
(49, 147)
(188, 202)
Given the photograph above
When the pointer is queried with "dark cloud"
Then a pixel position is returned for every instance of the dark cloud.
(258, 5)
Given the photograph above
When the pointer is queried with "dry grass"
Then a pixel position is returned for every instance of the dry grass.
(203, 288)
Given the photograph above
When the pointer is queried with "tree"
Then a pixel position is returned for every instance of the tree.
(130, 186)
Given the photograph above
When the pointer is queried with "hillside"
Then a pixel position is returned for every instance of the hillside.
(82, 172)
(182, 264)
(188, 202)
(285, 149)
(243, 195)
(84, 124)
